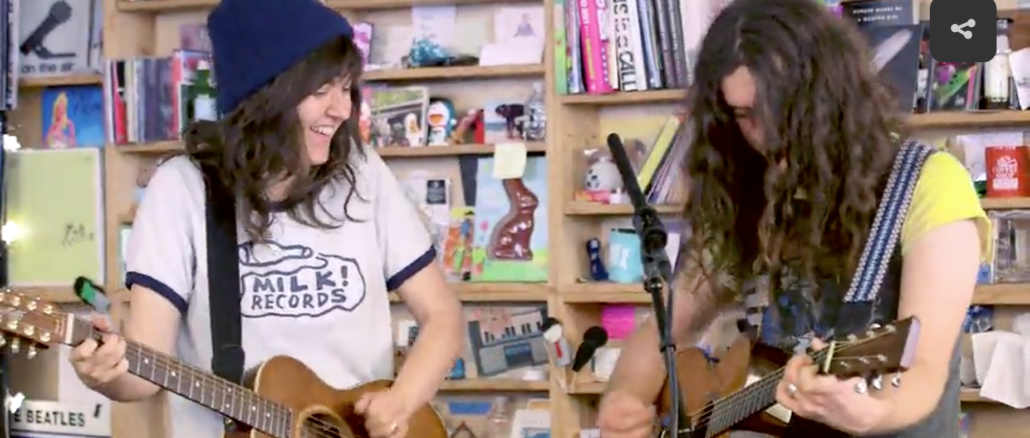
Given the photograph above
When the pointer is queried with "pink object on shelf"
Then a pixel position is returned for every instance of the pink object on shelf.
(619, 320)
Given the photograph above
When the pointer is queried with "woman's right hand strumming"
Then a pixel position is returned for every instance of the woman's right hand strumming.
(98, 363)
(623, 415)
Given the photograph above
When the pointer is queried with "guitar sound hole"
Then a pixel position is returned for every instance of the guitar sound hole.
(324, 426)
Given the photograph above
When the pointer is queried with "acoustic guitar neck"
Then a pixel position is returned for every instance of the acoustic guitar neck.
(229, 399)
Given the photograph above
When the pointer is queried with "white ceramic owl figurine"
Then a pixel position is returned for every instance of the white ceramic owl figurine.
(603, 176)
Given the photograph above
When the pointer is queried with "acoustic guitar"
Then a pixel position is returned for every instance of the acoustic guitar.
(282, 398)
(728, 395)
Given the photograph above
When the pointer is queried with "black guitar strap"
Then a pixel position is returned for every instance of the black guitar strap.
(223, 275)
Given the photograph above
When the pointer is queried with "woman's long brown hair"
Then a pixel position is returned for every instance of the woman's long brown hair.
(261, 142)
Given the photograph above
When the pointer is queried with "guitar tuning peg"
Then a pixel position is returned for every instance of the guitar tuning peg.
(874, 326)
(876, 382)
(32, 352)
(896, 380)
(15, 346)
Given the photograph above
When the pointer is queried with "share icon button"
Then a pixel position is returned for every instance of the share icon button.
(963, 30)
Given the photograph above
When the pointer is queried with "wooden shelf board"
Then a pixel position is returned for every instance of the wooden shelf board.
(51, 294)
(624, 98)
(1004, 294)
(485, 385)
(580, 208)
(1004, 203)
(160, 147)
(972, 395)
(497, 292)
(604, 293)
(953, 119)
(1010, 294)
(60, 81)
(158, 6)
(448, 151)
(451, 73)
(587, 388)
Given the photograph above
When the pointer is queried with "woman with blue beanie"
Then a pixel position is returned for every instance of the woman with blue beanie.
(326, 230)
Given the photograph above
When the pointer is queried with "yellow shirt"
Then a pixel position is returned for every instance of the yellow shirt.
(944, 194)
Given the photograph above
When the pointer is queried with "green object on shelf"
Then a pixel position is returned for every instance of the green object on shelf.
(203, 95)
(981, 188)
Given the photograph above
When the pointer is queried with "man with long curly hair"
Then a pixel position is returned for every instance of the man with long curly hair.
(793, 139)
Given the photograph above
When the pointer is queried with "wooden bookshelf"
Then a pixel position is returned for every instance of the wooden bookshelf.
(454, 73)
(969, 119)
(576, 124)
(1005, 203)
(61, 81)
(450, 151)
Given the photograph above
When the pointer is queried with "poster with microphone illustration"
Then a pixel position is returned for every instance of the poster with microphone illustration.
(55, 37)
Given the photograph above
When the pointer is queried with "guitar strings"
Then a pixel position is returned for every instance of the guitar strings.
(748, 394)
(170, 365)
(166, 364)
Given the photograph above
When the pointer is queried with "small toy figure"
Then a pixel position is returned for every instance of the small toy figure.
(468, 122)
(441, 120)
(413, 135)
(603, 176)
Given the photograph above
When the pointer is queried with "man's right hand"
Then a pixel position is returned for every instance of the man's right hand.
(624, 416)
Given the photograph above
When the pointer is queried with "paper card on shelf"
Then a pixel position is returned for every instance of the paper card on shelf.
(55, 197)
(509, 160)
(37, 417)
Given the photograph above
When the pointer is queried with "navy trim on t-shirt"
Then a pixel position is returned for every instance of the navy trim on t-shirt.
(156, 285)
(398, 279)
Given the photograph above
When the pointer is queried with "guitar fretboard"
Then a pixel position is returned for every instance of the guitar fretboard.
(229, 399)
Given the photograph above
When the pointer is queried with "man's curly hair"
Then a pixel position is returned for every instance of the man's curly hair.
(829, 130)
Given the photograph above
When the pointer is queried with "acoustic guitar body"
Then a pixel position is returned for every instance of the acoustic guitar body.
(292, 384)
(702, 382)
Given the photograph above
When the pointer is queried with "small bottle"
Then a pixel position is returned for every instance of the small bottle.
(499, 423)
(997, 72)
(535, 127)
(203, 93)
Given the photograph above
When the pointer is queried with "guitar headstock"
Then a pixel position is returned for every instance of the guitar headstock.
(879, 350)
(31, 324)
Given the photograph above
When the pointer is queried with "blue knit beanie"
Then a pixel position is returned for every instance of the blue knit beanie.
(255, 40)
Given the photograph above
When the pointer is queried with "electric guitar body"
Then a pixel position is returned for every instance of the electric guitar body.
(704, 382)
(321, 411)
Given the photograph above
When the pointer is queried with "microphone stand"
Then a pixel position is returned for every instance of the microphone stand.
(657, 274)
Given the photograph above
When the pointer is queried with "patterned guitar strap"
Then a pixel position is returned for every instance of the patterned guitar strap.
(879, 247)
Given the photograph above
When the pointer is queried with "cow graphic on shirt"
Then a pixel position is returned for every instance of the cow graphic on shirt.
(279, 280)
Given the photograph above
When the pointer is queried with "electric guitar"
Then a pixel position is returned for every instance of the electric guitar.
(282, 398)
(724, 396)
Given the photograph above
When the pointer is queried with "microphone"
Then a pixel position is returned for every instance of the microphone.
(557, 345)
(649, 227)
(595, 337)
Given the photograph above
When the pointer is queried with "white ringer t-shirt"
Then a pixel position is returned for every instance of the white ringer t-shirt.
(319, 296)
